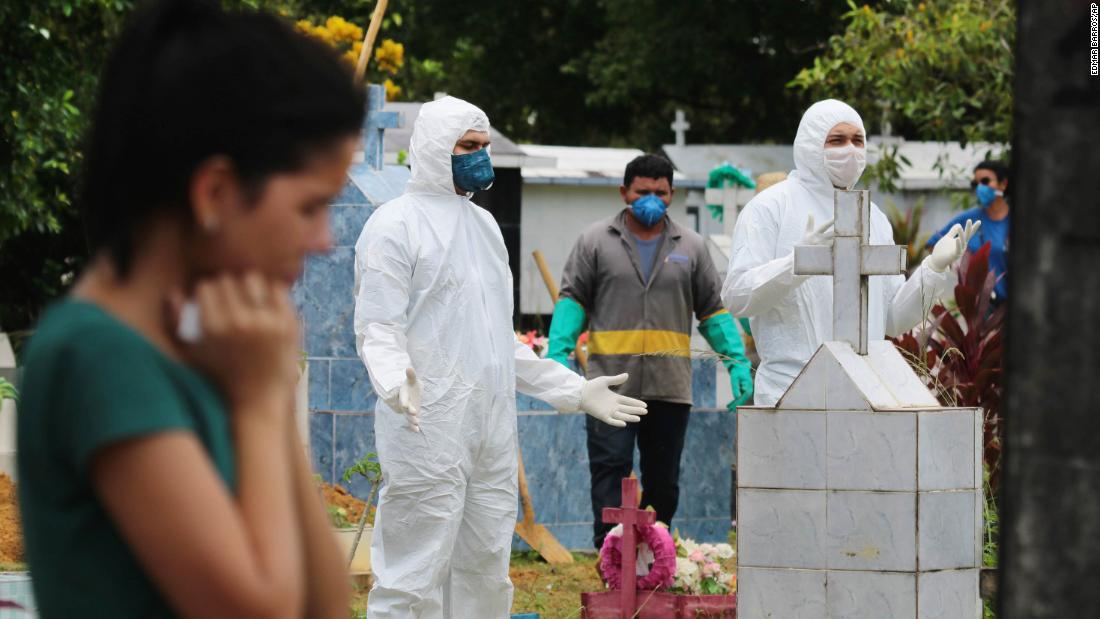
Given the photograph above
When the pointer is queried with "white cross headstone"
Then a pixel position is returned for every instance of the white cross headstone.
(850, 261)
(680, 126)
(858, 495)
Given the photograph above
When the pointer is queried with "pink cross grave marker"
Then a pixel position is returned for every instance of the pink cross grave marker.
(629, 516)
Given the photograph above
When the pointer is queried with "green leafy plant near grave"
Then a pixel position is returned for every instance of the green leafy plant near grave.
(8, 390)
(368, 468)
(992, 519)
(907, 232)
(338, 516)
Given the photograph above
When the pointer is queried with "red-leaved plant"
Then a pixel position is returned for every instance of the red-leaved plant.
(960, 352)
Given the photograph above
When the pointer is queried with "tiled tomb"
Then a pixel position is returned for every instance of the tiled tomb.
(859, 496)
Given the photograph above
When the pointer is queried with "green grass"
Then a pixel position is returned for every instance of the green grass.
(554, 592)
(13, 567)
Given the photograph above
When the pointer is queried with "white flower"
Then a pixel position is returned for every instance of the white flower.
(725, 551)
(687, 574)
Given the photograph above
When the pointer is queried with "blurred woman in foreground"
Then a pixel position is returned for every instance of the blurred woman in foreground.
(161, 474)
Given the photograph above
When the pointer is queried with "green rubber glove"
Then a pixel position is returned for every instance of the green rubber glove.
(722, 335)
(745, 325)
(565, 327)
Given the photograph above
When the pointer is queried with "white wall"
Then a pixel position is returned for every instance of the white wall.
(553, 216)
(939, 207)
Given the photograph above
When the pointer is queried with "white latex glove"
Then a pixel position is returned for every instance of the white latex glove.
(951, 247)
(407, 401)
(822, 235)
(598, 400)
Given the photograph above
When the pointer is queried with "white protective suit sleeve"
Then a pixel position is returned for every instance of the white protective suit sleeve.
(383, 276)
(547, 380)
(914, 299)
(756, 281)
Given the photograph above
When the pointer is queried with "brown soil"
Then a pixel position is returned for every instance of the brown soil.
(11, 534)
(338, 496)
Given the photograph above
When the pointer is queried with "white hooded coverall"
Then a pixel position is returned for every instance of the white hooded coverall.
(433, 292)
(792, 315)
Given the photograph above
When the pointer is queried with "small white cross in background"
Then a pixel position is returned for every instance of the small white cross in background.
(680, 127)
(850, 261)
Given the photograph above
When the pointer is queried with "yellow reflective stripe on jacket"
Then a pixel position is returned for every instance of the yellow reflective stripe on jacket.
(639, 342)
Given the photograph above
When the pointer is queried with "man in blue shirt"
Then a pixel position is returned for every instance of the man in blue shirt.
(990, 183)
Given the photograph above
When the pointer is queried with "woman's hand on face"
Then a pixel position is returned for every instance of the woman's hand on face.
(249, 337)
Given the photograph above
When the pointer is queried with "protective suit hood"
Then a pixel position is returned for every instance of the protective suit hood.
(438, 126)
(809, 143)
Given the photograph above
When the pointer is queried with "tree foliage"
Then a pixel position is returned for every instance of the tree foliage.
(52, 51)
(51, 54)
(571, 72)
(936, 70)
(613, 72)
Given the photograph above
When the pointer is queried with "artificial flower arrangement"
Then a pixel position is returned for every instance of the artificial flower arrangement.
(676, 578)
(534, 341)
(669, 562)
(699, 569)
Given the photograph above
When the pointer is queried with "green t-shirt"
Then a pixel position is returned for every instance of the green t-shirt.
(90, 381)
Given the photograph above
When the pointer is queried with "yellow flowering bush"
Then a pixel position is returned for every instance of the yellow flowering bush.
(389, 55)
(393, 91)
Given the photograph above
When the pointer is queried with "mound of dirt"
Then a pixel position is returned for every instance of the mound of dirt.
(11, 534)
(338, 496)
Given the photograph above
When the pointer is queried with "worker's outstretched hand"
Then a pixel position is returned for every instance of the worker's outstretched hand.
(598, 400)
(407, 401)
(951, 247)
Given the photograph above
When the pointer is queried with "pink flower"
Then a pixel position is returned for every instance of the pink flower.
(697, 556)
(711, 569)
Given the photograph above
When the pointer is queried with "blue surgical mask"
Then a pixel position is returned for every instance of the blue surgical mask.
(473, 171)
(986, 195)
(648, 210)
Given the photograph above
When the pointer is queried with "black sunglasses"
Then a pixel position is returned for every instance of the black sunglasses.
(984, 181)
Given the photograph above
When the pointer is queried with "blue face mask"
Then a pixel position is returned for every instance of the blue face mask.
(473, 171)
(986, 195)
(648, 210)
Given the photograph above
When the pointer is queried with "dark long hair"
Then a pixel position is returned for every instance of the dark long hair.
(188, 80)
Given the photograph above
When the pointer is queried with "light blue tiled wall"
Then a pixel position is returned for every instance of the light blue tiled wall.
(341, 423)
(16, 587)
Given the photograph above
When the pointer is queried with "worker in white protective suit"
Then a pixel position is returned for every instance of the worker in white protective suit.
(791, 315)
(433, 324)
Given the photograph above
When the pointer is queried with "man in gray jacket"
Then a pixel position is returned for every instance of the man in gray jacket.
(637, 279)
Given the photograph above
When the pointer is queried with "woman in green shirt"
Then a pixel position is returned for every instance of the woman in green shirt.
(163, 477)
